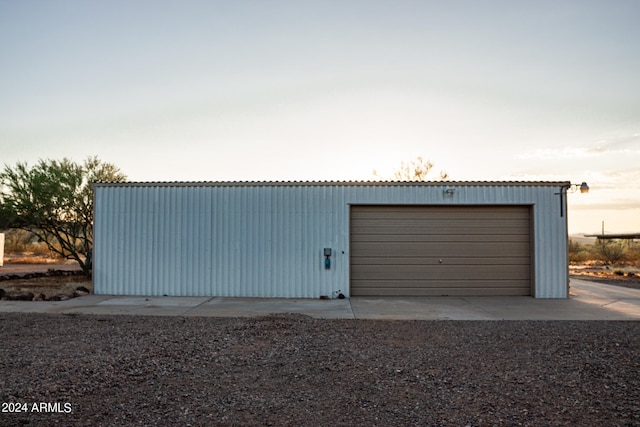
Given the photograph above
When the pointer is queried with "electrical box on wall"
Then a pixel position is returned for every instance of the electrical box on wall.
(327, 258)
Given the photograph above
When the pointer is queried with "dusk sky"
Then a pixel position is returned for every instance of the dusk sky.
(330, 90)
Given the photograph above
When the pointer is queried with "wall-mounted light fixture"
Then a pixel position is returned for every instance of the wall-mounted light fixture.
(448, 192)
(584, 188)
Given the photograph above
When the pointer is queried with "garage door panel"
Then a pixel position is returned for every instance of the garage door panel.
(396, 250)
(442, 291)
(447, 230)
(461, 249)
(438, 272)
(433, 224)
(479, 260)
(460, 284)
(439, 212)
(441, 238)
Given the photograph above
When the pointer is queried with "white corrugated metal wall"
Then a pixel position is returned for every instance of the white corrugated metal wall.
(267, 239)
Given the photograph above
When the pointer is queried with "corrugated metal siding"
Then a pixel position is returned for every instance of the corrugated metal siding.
(267, 240)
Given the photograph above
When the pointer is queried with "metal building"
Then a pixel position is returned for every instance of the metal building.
(309, 239)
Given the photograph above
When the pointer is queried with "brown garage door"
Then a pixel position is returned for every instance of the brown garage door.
(440, 250)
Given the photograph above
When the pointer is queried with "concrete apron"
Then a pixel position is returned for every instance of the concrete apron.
(588, 301)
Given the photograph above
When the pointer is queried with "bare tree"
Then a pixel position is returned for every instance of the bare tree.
(415, 170)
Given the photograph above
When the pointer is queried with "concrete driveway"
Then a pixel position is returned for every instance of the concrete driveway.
(588, 301)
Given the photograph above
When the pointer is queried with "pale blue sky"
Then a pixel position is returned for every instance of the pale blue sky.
(324, 90)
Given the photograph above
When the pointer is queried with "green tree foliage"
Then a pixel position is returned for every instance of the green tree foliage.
(54, 201)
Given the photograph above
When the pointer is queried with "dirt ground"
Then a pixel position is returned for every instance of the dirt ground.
(48, 286)
(10, 268)
(628, 277)
(48, 279)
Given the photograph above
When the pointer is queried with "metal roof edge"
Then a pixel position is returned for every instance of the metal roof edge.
(615, 236)
(331, 183)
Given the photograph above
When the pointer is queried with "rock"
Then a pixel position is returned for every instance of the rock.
(83, 289)
(20, 296)
(59, 297)
(39, 297)
(28, 296)
(324, 297)
(78, 293)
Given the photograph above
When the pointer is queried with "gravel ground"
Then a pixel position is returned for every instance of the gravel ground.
(294, 370)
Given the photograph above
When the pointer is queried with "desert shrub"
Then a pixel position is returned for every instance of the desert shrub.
(618, 272)
(610, 252)
(17, 241)
(22, 242)
(632, 254)
(40, 248)
(577, 252)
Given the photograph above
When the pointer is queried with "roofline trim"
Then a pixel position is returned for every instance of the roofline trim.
(334, 184)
